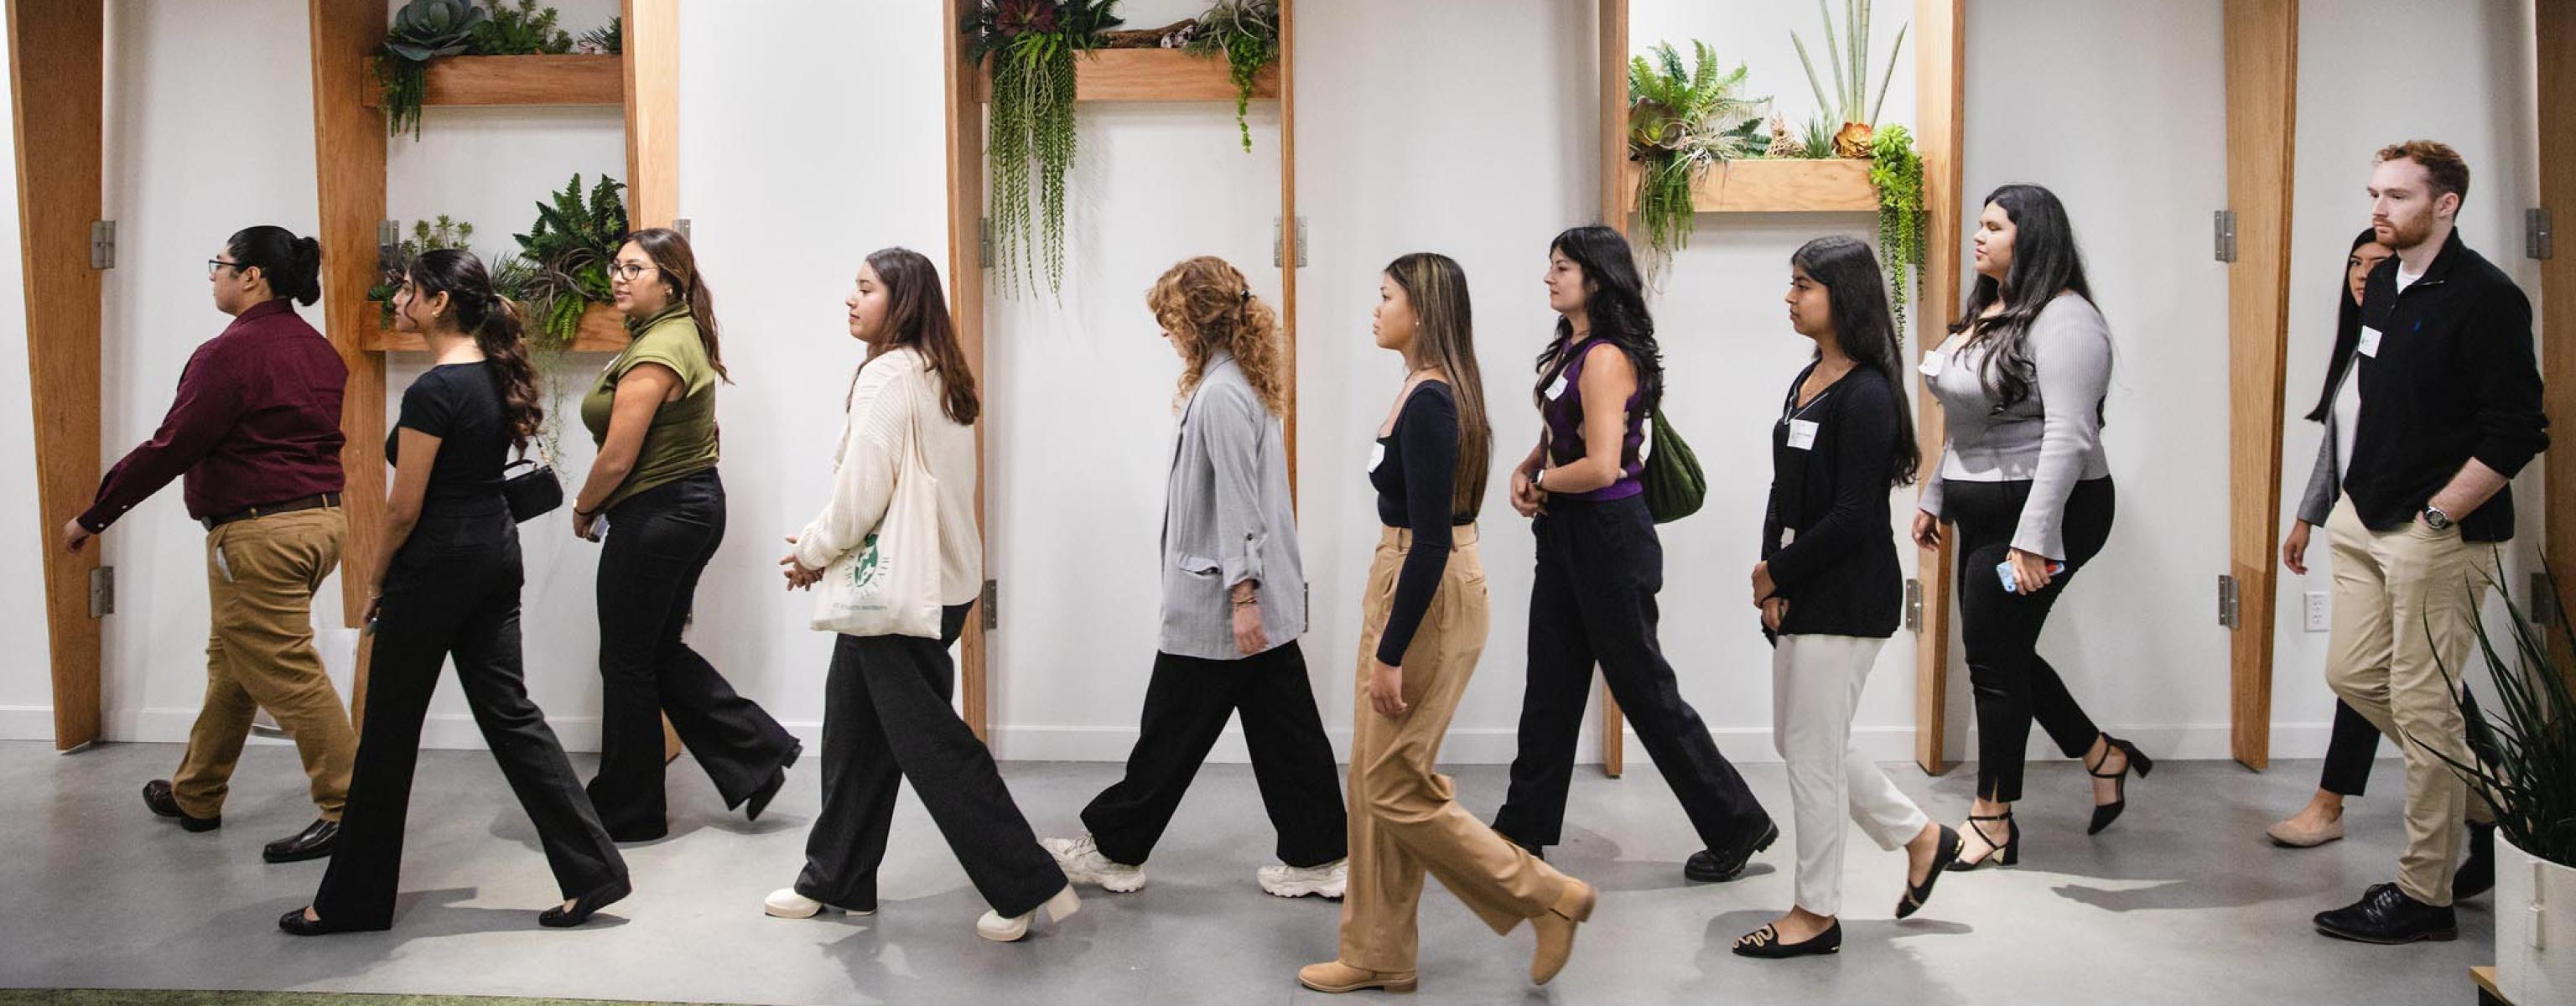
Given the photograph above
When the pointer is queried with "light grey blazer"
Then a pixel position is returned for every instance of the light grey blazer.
(2324, 485)
(1227, 518)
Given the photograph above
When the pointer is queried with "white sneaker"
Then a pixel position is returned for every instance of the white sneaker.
(1000, 930)
(785, 903)
(1082, 863)
(1326, 881)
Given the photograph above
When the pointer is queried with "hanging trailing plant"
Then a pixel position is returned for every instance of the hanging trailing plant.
(1031, 137)
(423, 30)
(1896, 170)
(1682, 120)
(1848, 56)
(568, 251)
(1247, 33)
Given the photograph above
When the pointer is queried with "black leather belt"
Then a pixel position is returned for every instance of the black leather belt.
(314, 502)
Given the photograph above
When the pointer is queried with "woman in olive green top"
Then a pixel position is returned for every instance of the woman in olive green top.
(654, 500)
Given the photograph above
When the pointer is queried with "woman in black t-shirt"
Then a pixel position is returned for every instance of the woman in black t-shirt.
(449, 578)
(1828, 587)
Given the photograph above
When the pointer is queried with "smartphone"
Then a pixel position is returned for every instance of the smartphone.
(599, 528)
(2012, 586)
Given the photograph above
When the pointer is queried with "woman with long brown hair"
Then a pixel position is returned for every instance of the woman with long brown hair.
(654, 502)
(1234, 602)
(1423, 622)
(886, 716)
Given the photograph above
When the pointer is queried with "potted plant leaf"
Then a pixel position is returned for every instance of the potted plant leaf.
(1683, 120)
(2523, 749)
(393, 261)
(423, 30)
(524, 30)
(1848, 56)
(568, 251)
(1031, 140)
(1246, 32)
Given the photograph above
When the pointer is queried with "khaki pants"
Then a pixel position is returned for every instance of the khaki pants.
(1405, 818)
(2406, 609)
(261, 574)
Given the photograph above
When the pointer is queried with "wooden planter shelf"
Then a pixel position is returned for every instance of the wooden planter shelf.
(518, 80)
(1149, 75)
(1777, 186)
(603, 330)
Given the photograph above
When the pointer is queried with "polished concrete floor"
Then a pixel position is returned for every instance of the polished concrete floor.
(2181, 902)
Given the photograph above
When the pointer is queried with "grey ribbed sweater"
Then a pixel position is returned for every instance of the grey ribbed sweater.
(2053, 438)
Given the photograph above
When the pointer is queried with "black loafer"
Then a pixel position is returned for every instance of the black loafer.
(560, 917)
(2386, 915)
(314, 842)
(1709, 866)
(1765, 943)
(156, 795)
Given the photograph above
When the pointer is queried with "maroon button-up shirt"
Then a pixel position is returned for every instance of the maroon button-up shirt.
(257, 421)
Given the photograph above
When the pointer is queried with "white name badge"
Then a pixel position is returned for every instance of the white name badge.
(1377, 455)
(2369, 342)
(1933, 361)
(1557, 390)
(1802, 434)
(1788, 536)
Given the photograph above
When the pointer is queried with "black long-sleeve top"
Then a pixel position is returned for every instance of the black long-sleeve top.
(1415, 474)
(2448, 377)
(1837, 567)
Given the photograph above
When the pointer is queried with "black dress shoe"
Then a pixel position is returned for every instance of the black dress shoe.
(2477, 872)
(314, 842)
(1765, 943)
(608, 894)
(2386, 915)
(1709, 866)
(156, 795)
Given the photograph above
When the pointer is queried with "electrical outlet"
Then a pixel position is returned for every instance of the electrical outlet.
(2319, 614)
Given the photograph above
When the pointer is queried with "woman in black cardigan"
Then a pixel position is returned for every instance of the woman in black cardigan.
(1828, 587)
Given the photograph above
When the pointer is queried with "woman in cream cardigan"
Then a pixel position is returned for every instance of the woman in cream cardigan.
(886, 713)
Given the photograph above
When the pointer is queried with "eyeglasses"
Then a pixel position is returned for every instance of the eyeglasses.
(215, 264)
(629, 271)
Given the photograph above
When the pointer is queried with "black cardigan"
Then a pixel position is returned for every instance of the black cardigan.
(1839, 572)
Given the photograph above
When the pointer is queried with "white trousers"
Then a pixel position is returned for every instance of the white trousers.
(1815, 685)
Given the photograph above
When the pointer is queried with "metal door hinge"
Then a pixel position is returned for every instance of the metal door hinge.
(102, 244)
(984, 242)
(1307, 604)
(2536, 232)
(681, 224)
(1278, 245)
(102, 592)
(2224, 223)
(1913, 605)
(388, 233)
(992, 605)
(2228, 597)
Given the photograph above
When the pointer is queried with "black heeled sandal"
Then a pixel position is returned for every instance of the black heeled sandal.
(2006, 853)
(583, 907)
(2105, 813)
(1944, 852)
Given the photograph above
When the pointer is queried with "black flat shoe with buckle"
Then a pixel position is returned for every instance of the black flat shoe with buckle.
(1765, 943)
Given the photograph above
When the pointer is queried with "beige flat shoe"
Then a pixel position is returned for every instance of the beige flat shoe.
(1335, 976)
(2291, 836)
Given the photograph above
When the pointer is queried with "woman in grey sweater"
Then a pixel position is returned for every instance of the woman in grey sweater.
(2021, 382)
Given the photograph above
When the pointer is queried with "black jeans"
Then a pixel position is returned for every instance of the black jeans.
(2349, 751)
(1599, 568)
(659, 541)
(1186, 708)
(453, 591)
(2000, 630)
(886, 719)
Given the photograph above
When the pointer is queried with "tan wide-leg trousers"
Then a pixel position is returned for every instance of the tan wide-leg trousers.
(2406, 609)
(261, 574)
(1405, 818)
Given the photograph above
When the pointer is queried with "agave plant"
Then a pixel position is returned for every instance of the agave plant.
(1247, 33)
(1681, 121)
(569, 250)
(2524, 745)
(423, 30)
(1031, 138)
(1848, 56)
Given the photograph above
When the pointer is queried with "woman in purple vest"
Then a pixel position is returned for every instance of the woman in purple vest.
(1600, 566)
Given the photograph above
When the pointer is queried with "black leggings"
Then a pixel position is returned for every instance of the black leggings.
(2349, 751)
(2000, 630)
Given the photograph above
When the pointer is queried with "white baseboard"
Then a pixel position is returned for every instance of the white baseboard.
(1749, 745)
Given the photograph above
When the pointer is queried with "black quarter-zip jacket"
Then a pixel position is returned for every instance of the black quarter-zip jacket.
(2453, 379)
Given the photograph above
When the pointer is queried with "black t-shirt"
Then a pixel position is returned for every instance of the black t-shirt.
(459, 404)
(1415, 475)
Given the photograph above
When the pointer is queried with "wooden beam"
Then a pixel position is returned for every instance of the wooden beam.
(1830, 185)
(966, 311)
(2554, 23)
(603, 330)
(349, 153)
(2262, 54)
(1940, 135)
(1157, 75)
(652, 112)
(57, 63)
(1617, 194)
(1289, 245)
(517, 80)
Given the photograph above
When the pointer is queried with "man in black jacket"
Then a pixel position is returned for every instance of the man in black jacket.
(2450, 411)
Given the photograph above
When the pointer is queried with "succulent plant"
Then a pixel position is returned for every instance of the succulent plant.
(428, 29)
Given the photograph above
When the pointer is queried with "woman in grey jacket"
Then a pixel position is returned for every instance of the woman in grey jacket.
(1234, 603)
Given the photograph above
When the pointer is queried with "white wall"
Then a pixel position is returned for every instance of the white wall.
(26, 683)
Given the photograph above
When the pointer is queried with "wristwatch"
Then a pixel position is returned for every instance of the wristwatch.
(2437, 520)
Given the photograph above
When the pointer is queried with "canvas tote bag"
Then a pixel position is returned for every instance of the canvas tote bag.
(890, 585)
